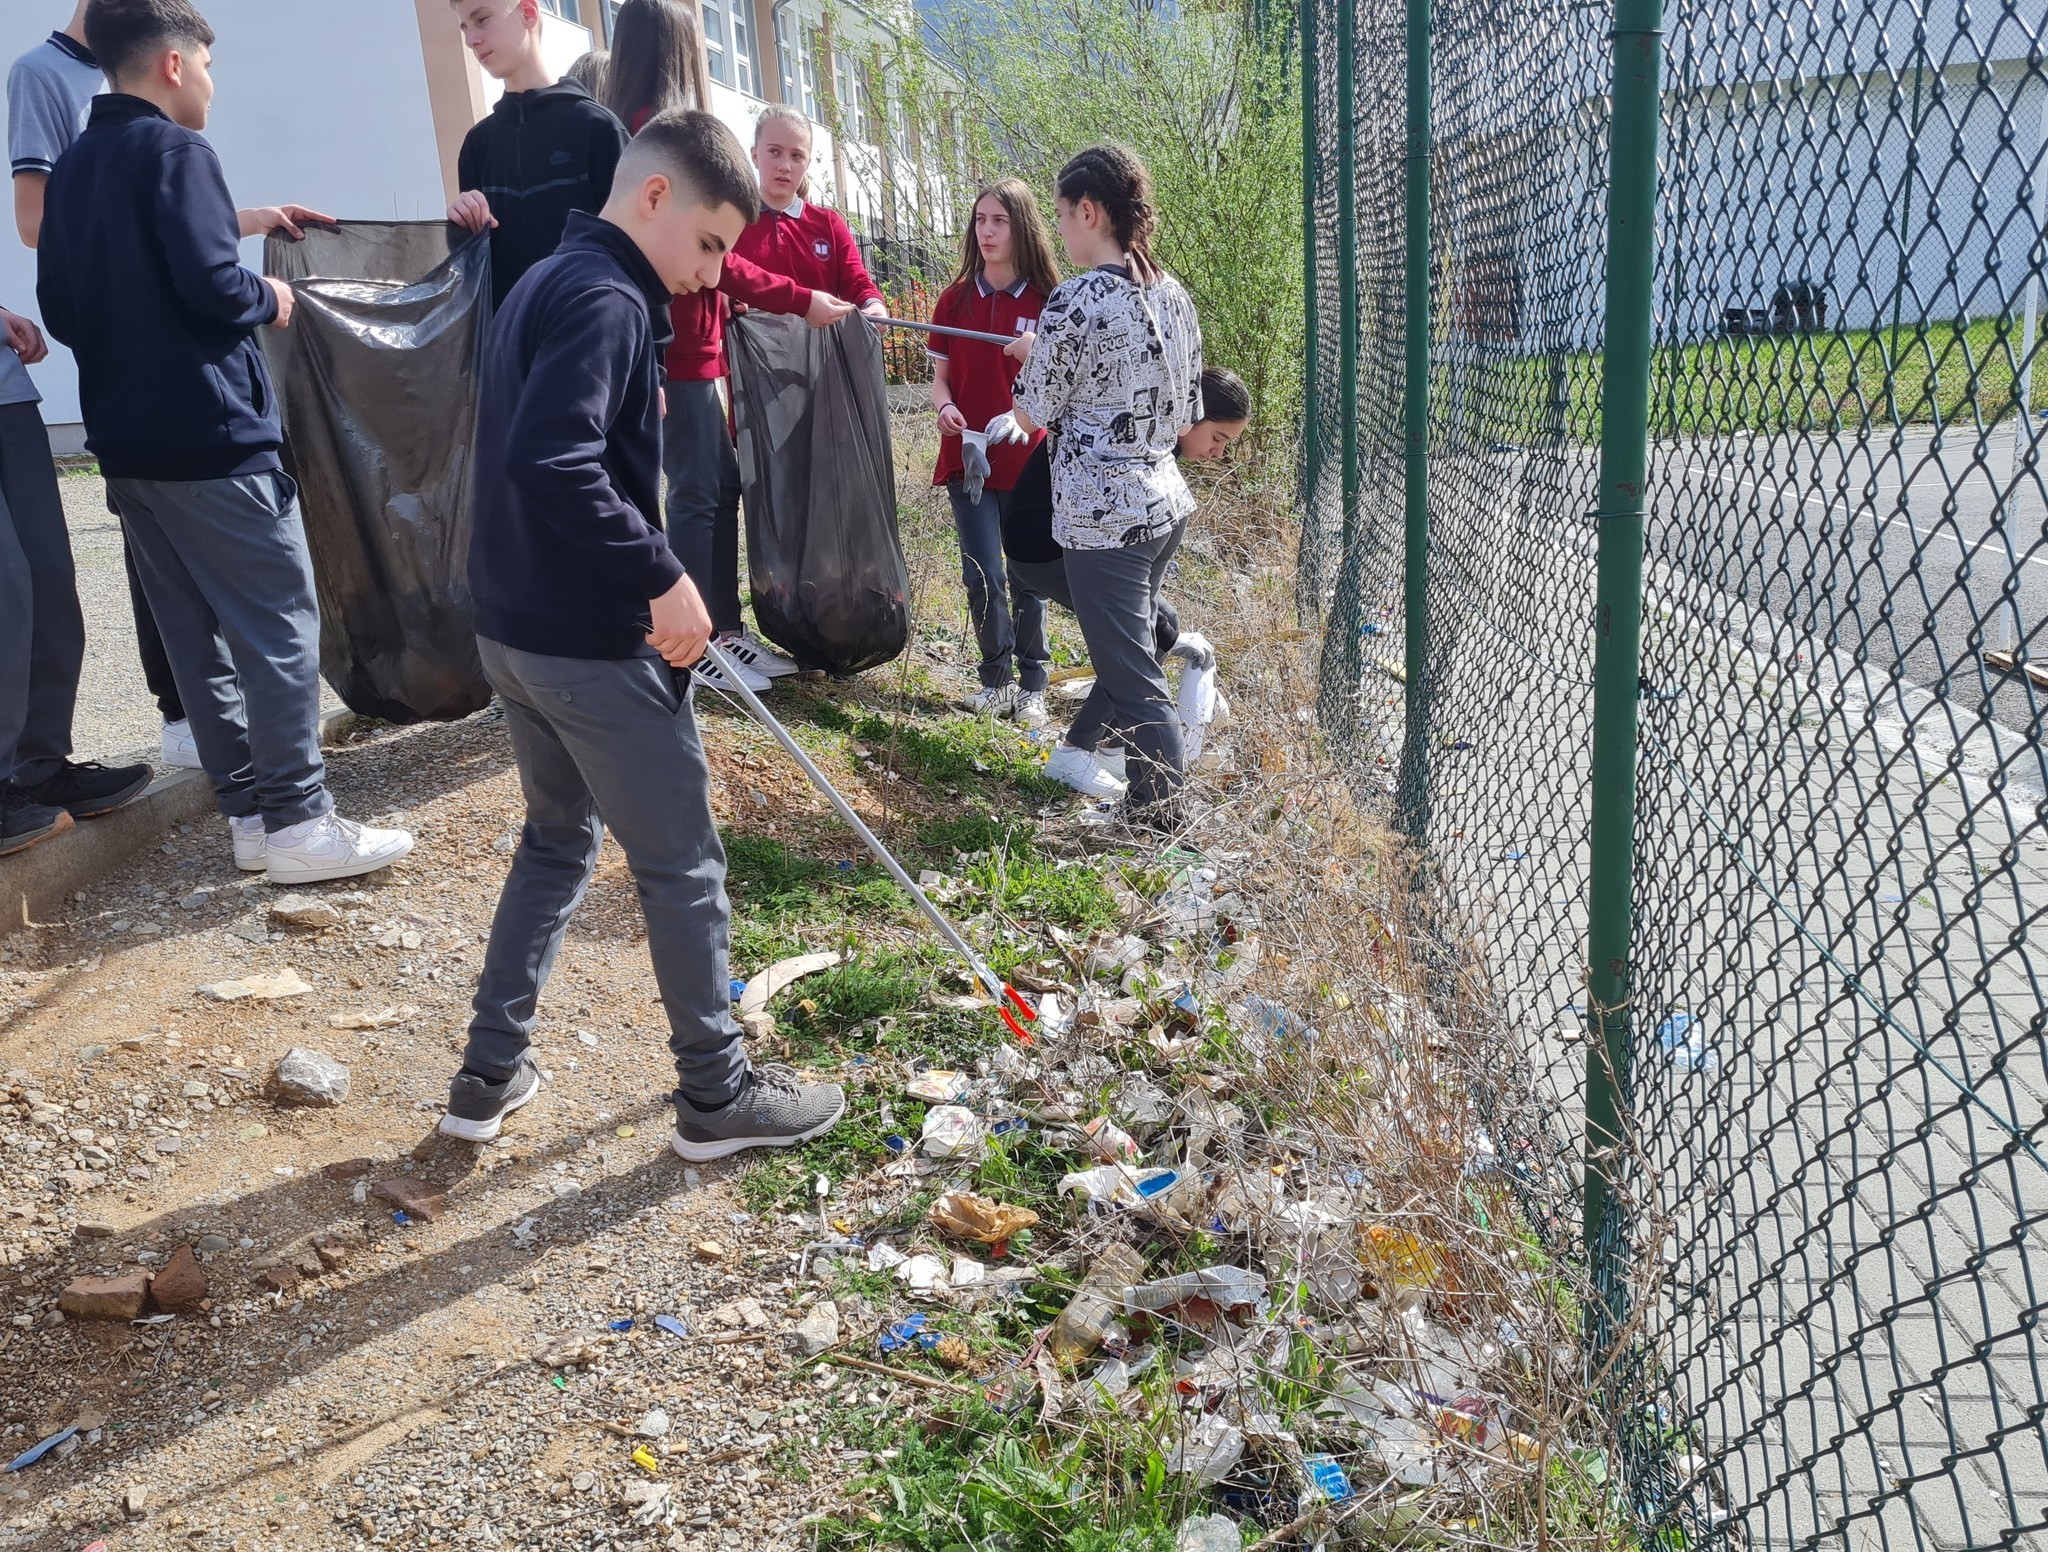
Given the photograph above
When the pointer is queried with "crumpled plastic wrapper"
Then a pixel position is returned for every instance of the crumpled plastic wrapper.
(967, 1216)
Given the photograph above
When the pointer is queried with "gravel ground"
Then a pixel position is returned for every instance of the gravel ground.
(116, 717)
(367, 1400)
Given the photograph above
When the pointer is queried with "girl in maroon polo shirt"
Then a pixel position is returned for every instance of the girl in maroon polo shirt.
(1006, 271)
(808, 242)
(657, 64)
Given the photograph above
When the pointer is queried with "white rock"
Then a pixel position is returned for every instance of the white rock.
(309, 1077)
(308, 913)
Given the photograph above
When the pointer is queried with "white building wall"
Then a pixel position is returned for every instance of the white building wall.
(325, 104)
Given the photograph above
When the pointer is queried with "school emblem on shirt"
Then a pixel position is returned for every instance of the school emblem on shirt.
(822, 249)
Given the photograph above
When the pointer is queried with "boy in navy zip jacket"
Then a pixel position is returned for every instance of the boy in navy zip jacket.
(138, 272)
(587, 626)
(545, 150)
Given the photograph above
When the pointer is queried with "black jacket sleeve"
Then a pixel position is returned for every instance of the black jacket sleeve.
(469, 161)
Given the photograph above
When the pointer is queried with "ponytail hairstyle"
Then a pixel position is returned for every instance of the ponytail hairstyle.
(1116, 180)
(657, 61)
(1030, 242)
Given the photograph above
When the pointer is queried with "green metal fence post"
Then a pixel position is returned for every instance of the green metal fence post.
(1311, 376)
(1413, 796)
(1617, 654)
(1343, 619)
(1347, 283)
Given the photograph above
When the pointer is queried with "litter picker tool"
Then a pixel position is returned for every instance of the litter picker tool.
(940, 328)
(1005, 995)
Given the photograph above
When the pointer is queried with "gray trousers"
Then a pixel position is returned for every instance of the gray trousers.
(1115, 595)
(42, 632)
(610, 743)
(230, 582)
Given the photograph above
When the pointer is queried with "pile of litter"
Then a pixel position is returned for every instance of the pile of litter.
(1277, 1309)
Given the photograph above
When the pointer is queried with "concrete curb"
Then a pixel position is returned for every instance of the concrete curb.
(38, 883)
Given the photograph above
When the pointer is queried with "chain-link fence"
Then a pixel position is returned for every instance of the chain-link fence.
(1831, 1191)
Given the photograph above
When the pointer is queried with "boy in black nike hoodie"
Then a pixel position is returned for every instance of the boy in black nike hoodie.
(547, 148)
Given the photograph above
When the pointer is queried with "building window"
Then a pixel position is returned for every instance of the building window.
(566, 9)
(794, 52)
(853, 98)
(728, 40)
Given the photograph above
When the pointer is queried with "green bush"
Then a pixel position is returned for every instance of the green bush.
(1211, 104)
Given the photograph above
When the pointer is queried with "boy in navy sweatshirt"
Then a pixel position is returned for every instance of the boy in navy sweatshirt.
(546, 149)
(138, 272)
(587, 625)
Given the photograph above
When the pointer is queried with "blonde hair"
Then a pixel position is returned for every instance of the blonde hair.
(782, 113)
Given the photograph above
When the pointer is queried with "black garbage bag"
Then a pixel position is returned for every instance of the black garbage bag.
(376, 379)
(819, 476)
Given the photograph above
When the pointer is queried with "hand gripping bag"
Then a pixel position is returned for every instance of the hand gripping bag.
(818, 473)
(376, 378)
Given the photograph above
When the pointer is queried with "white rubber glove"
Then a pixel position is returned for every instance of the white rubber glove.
(1004, 428)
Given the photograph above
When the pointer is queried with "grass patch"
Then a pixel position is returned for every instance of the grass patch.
(1858, 379)
(968, 1480)
(767, 877)
(959, 755)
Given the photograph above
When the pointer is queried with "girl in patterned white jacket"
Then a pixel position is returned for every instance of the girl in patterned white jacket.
(1114, 372)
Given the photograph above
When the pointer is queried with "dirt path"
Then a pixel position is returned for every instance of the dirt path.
(369, 1399)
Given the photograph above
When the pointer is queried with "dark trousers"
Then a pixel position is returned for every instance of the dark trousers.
(703, 473)
(149, 644)
(42, 632)
(610, 744)
(1048, 579)
(1116, 599)
(230, 582)
(1009, 620)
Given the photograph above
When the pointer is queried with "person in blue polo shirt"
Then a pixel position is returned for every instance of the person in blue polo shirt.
(138, 271)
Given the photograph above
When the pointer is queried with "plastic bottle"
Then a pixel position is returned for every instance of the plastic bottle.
(1685, 1039)
(1090, 1319)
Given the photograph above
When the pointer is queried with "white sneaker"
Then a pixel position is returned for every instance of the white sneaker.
(713, 677)
(991, 700)
(1116, 761)
(252, 846)
(751, 651)
(179, 748)
(1030, 709)
(332, 847)
(1084, 772)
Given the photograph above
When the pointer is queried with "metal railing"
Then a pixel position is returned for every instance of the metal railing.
(1676, 510)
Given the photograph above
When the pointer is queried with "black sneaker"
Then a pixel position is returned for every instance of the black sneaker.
(87, 789)
(774, 1110)
(477, 1107)
(23, 823)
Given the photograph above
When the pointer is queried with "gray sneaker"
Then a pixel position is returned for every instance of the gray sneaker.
(477, 1107)
(774, 1110)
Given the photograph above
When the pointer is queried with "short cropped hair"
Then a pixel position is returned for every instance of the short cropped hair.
(700, 153)
(124, 33)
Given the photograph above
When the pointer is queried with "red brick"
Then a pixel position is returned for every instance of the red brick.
(415, 1198)
(105, 1298)
(181, 1284)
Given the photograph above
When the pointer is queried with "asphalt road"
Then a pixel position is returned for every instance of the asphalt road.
(1899, 547)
